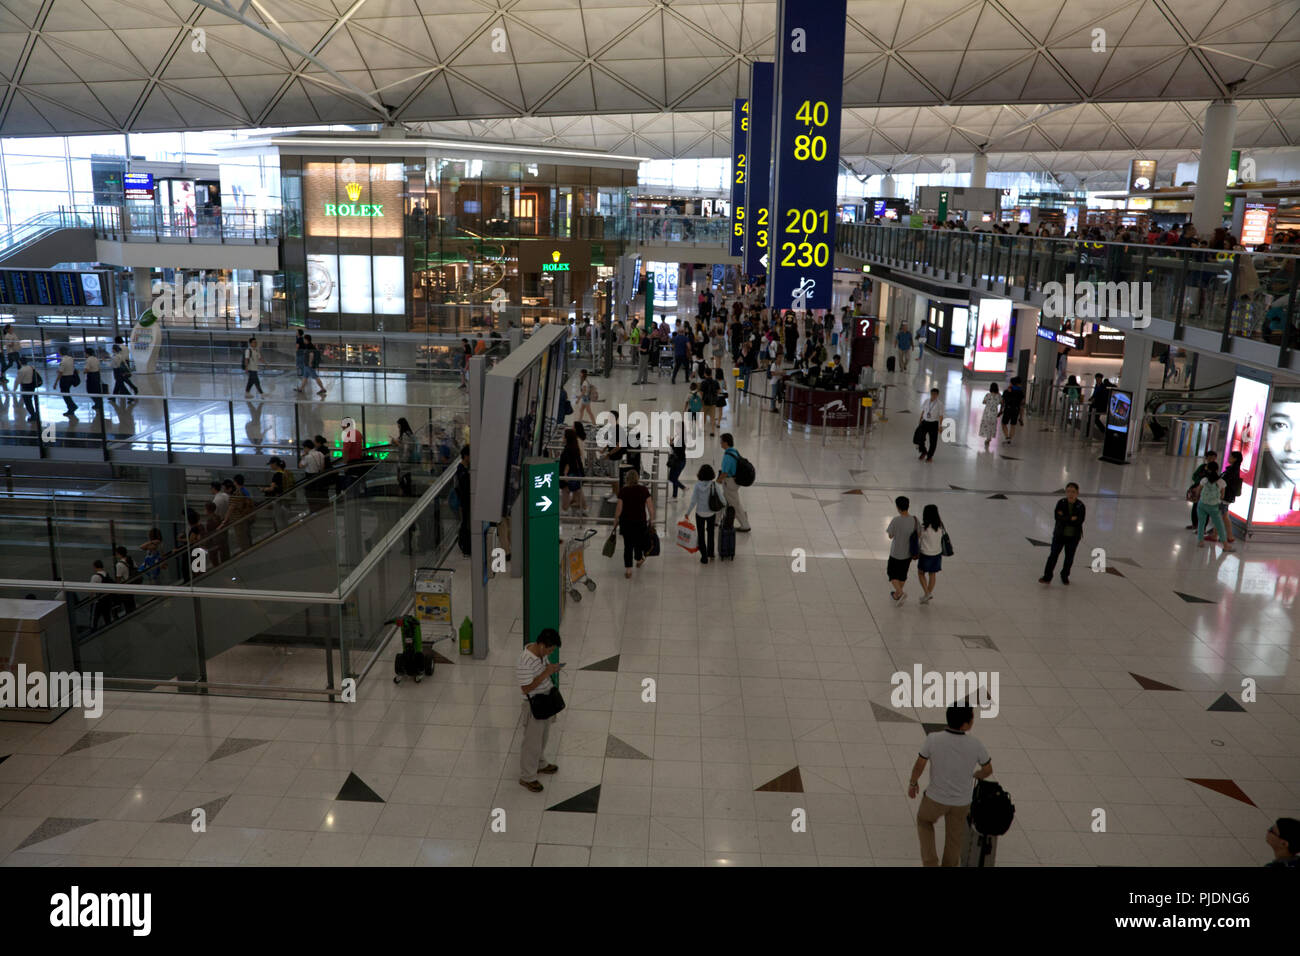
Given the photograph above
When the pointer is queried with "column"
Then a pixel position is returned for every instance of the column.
(979, 170)
(1212, 174)
(1133, 377)
(887, 187)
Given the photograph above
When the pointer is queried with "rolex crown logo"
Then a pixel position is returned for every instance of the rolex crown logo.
(353, 191)
(555, 256)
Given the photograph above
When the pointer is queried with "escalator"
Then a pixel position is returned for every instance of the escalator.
(173, 637)
(48, 239)
(1163, 405)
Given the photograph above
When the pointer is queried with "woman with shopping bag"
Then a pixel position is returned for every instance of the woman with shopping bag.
(706, 502)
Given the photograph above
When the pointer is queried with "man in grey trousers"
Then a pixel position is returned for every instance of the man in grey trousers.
(533, 674)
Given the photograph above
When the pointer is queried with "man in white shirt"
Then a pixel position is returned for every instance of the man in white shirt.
(67, 376)
(9, 349)
(220, 500)
(952, 754)
(94, 387)
(312, 462)
(533, 675)
(928, 431)
(26, 382)
(252, 363)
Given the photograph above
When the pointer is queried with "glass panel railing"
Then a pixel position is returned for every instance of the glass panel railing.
(1247, 294)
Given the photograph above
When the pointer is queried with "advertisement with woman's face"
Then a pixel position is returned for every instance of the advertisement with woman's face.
(1277, 500)
(1249, 403)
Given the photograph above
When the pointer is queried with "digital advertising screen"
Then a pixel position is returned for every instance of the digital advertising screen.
(389, 285)
(138, 185)
(960, 321)
(1120, 411)
(1141, 175)
(92, 289)
(322, 283)
(1257, 224)
(1246, 422)
(665, 274)
(968, 357)
(992, 336)
(354, 284)
(1277, 491)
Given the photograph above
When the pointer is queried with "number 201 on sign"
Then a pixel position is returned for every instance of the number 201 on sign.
(806, 253)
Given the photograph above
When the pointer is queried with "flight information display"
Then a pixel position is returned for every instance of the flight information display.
(809, 85)
(739, 173)
(758, 181)
(33, 289)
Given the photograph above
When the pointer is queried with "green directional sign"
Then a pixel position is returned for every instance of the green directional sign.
(943, 207)
(649, 301)
(541, 547)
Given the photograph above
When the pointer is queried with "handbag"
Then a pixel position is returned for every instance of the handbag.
(546, 706)
(687, 536)
(1194, 493)
(608, 549)
(716, 501)
(946, 545)
(918, 436)
(651, 543)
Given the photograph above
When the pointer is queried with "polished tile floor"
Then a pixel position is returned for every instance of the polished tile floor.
(772, 693)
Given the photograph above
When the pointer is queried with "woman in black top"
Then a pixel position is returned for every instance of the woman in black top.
(571, 466)
(634, 513)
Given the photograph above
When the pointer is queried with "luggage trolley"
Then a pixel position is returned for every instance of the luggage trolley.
(432, 607)
(575, 564)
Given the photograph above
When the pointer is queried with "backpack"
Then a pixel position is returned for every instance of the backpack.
(289, 481)
(744, 469)
(991, 809)
(1234, 487)
(695, 403)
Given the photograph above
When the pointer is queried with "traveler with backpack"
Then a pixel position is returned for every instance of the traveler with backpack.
(736, 473)
(308, 365)
(1207, 508)
(711, 392)
(251, 363)
(952, 753)
(904, 531)
(706, 502)
(1211, 463)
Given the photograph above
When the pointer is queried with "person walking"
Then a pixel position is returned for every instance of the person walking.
(123, 572)
(903, 340)
(27, 381)
(103, 606)
(634, 514)
(10, 349)
(1210, 463)
(928, 430)
(239, 515)
(311, 366)
(68, 378)
(462, 483)
(1211, 487)
(900, 530)
(252, 364)
(572, 468)
(1097, 404)
(930, 561)
(584, 397)
(533, 675)
(94, 386)
(706, 502)
(1066, 534)
(1011, 404)
(677, 453)
(952, 754)
(710, 389)
(1231, 490)
(312, 462)
(120, 362)
(727, 478)
(989, 419)
(644, 344)
(681, 354)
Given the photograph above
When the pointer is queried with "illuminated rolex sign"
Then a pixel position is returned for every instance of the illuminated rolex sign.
(555, 265)
(354, 208)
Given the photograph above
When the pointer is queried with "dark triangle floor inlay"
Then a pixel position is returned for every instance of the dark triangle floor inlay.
(1009, 457)
(210, 810)
(1149, 684)
(94, 738)
(1193, 599)
(887, 715)
(996, 498)
(609, 664)
(1225, 787)
(622, 750)
(933, 728)
(1128, 561)
(788, 782)
(854, 491)
(1227, 704)
(1039, 544)
(586, 802)
(978, 640)
(52, 827)
(358, 791)
(1114, 571)
(958, 488)
(439, 659)
(5, 757)
(235, 745)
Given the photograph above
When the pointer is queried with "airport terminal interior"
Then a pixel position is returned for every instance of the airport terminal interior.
(450, 433)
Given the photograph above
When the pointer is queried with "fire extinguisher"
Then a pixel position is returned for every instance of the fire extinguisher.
(466, 636)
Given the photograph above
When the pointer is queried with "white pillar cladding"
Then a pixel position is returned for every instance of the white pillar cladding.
(1212, 174)
(979, 170)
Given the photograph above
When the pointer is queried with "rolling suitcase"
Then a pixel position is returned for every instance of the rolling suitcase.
(727, 535)
(978, 849)
(890, 363)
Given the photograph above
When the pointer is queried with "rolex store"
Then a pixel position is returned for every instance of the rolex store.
(396, 234)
